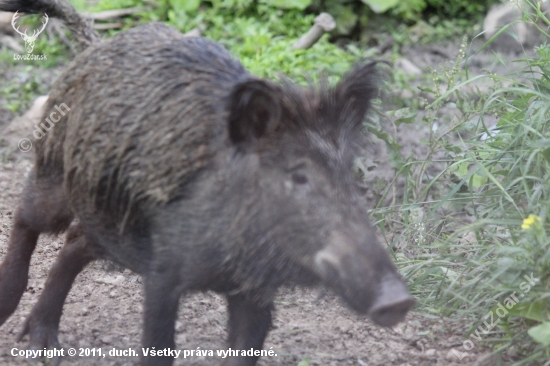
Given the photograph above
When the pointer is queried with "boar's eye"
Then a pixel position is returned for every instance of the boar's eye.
(299, 178)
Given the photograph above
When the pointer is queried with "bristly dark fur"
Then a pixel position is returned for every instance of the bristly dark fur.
(120, 174)
(168, 118)
(25, 6)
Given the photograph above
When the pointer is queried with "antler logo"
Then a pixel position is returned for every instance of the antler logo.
(29, 40)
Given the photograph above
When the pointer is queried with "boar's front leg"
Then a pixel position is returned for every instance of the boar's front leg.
(43, 209)
(162, 293)
(248, 327)
(42, 324)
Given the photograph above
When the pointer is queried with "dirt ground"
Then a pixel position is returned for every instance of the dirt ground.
(104, 308)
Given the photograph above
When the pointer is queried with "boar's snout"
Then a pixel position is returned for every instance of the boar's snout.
(365, 278)
(392, 304)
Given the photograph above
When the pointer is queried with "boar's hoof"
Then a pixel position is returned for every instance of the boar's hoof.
(41, 337)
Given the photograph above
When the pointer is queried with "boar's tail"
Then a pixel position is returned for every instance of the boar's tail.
(81, 27)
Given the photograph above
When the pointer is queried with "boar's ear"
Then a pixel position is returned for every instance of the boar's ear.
(254, 109)
(354, 93)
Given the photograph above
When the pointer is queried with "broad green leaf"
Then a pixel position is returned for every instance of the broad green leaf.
(541, 333)
(403, 115)
(188, 6)
(287, 4)
(345, 17)
(532, 310)
(484, 170)
(380, 6)
(460, 169)
(478, 180)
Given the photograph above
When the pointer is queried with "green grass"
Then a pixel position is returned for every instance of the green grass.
(263, 43)
(24, 86)
(468, 247)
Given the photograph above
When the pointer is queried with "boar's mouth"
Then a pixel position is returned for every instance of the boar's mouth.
(383, 297)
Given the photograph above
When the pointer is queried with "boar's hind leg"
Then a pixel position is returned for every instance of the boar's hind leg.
(248, 327)
(162, 295)
(43, 208)
(43, 322)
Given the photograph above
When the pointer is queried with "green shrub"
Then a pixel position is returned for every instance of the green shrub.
(261, 37)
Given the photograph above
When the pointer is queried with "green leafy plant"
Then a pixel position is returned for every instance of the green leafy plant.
(23, 88)
(475, 206)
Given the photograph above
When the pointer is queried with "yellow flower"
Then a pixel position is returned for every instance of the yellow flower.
(529, 221)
